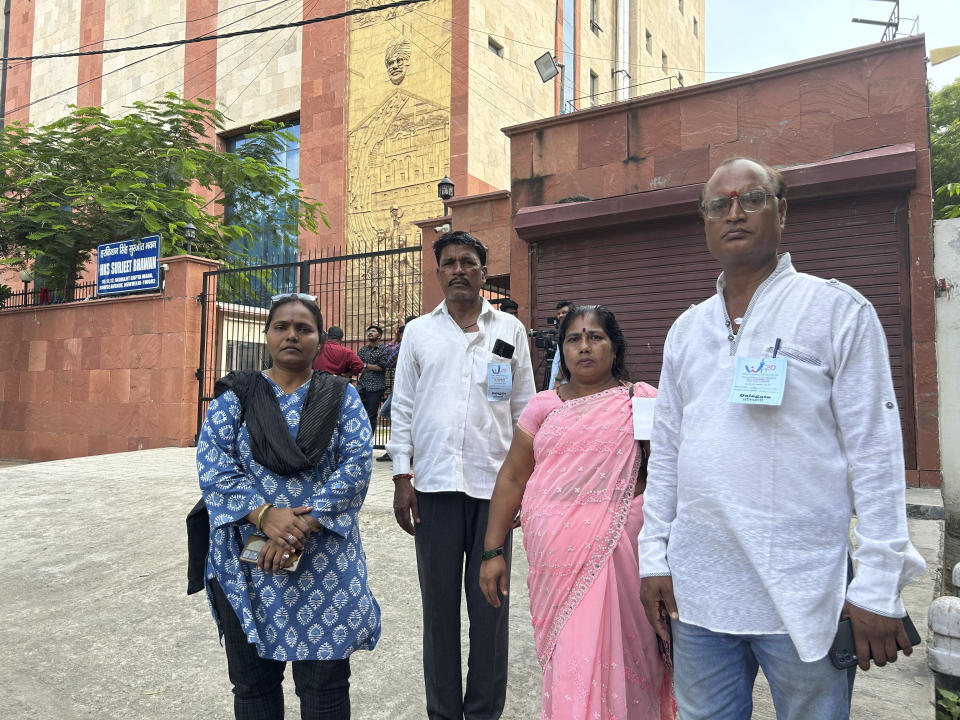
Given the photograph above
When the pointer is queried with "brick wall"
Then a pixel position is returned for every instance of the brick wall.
(102, 376)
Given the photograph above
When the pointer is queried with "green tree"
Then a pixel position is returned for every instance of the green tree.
(945, 143)
(88, 179)
(950, 191)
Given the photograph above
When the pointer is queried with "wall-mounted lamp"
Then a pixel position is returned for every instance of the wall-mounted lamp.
(547, 66)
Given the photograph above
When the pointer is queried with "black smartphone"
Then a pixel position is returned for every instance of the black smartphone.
(665, 649)
(843, 652)
(503, 349)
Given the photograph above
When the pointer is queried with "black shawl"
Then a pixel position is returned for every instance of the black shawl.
(271, 443)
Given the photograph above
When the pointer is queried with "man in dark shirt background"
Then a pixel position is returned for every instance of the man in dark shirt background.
(510, 307)
(373, 379)
(336, 358)
(393, 352)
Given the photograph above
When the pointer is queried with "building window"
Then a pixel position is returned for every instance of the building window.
(243, 355)
(680, 6)
(494, 47)
(269, 244)
(696, 29)
(648, 40)
(663, 61)
(594, 88)
(594, 20)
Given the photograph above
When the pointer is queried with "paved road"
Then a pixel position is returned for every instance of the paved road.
(96, 623)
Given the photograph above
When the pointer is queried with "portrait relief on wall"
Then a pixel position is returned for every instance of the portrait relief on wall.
(398, 146)
(374, 18)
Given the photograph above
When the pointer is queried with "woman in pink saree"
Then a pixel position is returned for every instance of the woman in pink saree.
(575, 465)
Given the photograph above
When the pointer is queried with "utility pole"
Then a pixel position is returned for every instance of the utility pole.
(3, 72)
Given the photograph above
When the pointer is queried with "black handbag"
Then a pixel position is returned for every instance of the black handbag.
(198, 545)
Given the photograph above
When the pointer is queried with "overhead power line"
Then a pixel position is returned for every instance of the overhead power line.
(263, 66)
(169, 24)
(439, 20)
(221, 36)
(144, 59)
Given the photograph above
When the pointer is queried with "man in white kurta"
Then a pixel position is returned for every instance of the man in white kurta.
(750, 489)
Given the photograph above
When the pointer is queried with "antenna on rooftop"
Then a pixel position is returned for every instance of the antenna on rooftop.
(890, 26)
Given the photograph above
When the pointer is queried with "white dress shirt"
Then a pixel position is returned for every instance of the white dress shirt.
(554, 368)
(441, 416)
(748, 507)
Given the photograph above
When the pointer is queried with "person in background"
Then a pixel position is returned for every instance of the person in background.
(392, 355)
(510, 307)
(373, 379)
(285, 454)
(775, 417)
(563, 307)
(335, 358)
(579, 473)
(463, 376)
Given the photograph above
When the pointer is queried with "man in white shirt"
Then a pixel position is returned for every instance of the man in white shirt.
(750, 489)
(463, 377)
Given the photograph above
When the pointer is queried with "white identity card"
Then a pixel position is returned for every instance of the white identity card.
(643, 417)
(499, 381)
(759, 381)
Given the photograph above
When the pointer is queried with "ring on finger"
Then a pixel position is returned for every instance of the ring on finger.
(290, 538)
(286, 556)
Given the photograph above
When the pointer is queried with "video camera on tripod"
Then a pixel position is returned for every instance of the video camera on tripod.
(546, 340)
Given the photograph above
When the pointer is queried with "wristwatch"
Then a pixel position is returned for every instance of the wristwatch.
(492, 553)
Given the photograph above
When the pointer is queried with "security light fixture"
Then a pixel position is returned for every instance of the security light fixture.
(547, 66)
(190, 233)
(445, 189)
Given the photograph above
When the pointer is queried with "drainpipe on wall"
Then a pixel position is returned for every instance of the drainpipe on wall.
(3, 72)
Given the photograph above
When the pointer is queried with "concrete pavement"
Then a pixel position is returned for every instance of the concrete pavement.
(96, 622)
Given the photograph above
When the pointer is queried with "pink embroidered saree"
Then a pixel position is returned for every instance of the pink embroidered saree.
(580, 524)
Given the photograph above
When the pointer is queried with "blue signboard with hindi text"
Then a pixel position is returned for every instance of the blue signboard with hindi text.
(128, 266)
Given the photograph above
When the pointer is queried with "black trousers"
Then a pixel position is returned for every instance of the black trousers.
(323, 686)
(371, 403)
(449, 543)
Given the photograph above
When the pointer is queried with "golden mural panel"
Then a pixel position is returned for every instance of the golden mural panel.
(398, 146)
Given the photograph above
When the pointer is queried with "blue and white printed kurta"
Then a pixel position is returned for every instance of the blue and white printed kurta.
(324, 610)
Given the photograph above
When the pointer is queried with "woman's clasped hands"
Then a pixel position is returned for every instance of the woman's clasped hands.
(287, 530)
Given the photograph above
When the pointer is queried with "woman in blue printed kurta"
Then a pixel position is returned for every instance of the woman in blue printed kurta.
(323, 610)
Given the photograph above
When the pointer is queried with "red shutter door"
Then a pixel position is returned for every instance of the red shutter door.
(648, 274)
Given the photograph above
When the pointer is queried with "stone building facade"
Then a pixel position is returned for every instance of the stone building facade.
(388, 103)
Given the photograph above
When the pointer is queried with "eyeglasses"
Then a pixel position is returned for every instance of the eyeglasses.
(750, 202)
(299, 296)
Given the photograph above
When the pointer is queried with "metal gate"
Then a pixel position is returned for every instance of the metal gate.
(353, 291)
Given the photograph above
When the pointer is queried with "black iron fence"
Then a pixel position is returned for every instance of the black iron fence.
(45, 296)
(381, 287)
